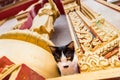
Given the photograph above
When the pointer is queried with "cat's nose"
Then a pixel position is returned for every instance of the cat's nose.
(66, 66)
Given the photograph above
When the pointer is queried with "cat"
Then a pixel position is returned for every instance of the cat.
(65, 58)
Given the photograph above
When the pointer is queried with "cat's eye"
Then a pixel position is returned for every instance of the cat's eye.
(58, 60)
(68, 58)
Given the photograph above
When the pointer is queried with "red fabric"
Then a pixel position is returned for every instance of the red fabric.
(26, 73)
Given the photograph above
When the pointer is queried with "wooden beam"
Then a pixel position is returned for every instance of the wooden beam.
(113, 6)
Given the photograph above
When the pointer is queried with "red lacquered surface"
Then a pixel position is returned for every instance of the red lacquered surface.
(31, 14)
(35, 9)
(14, 9)
(26, 73)
(4, 61)
(59, 6)
(28, 23)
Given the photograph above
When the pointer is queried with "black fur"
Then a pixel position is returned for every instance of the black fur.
(68, 51)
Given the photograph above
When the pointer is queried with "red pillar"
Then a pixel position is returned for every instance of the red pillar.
(59, 6)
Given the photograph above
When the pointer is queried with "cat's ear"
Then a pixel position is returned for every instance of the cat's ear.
(71, 45)
(52, 48)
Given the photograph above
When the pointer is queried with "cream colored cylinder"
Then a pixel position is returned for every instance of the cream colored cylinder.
(33, 56)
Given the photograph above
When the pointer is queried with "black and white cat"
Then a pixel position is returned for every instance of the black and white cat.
(65, 58)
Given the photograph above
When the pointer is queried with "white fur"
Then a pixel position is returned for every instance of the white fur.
(73, 67)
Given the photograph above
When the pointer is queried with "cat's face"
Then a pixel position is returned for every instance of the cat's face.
(63, 53)
(65, 58)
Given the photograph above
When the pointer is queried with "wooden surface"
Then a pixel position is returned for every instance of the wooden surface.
(96, 15)
(111, 5)
(97, 75)
(108, 13)
(101, 74)
(73, 35)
